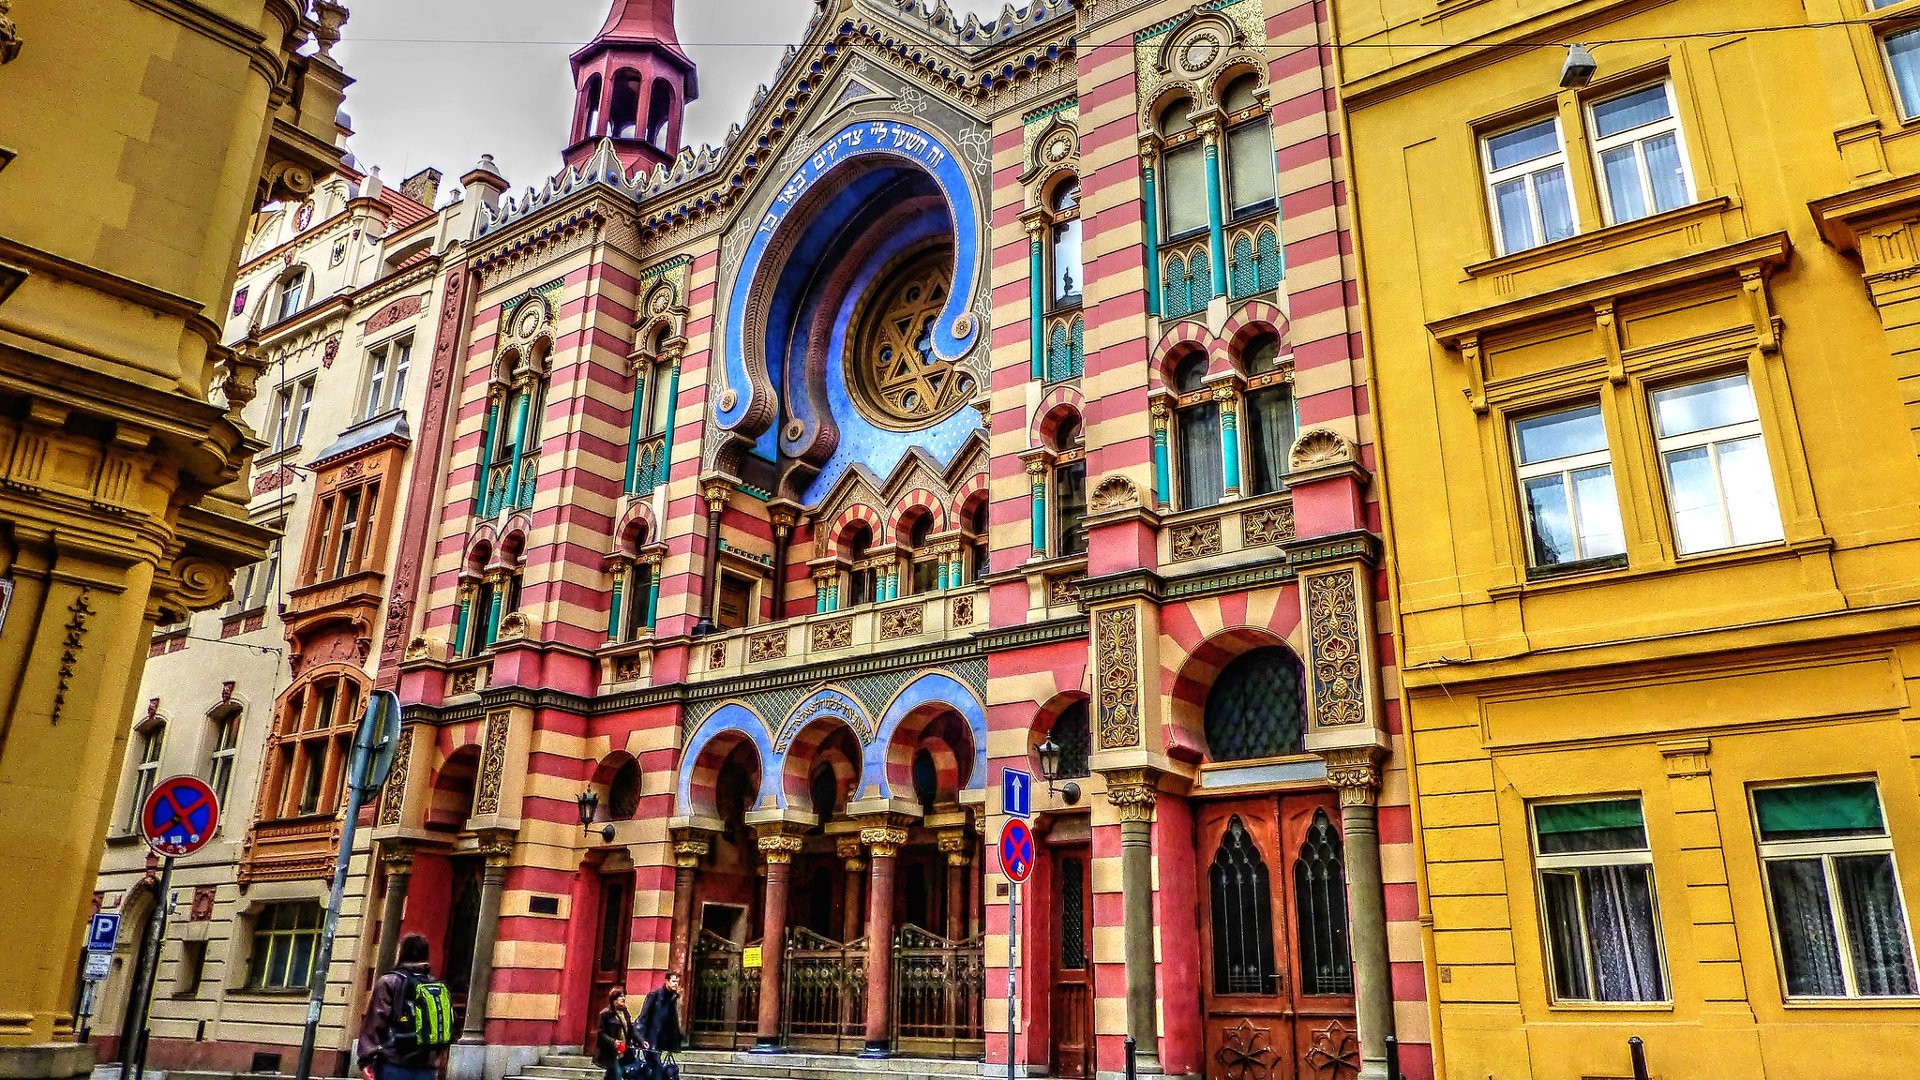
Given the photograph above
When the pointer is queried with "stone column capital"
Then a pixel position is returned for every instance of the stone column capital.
(716, 493)
(1134, 792)
(1037, 468)
(1355, 772)
(778, 844)
(884, 841)
(397, 857)
(955, 846)
(497, 846)
(689, 847)
(851, 853)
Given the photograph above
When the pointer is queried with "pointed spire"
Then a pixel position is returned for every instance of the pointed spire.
(640, 21)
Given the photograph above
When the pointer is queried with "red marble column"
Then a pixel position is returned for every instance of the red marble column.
(883, 846)
(854, 911)
(778, 847)
(688, 849)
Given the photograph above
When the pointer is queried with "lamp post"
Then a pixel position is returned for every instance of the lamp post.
(1049, 752)
(589, 803)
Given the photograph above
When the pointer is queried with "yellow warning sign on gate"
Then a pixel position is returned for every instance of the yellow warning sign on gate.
(750, 956)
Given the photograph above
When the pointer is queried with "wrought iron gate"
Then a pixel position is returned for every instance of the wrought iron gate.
(826, 992)
(726, 995)
(939, 995)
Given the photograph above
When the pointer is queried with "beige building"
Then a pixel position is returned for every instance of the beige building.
(338, 293)
(136, 139)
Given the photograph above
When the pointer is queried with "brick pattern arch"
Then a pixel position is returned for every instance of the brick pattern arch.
(1206, 636)
(637, 528)
(1254, 319)
(1180, 341)
(908, 508)
(974, 488)
(836, 533)
(709, 748)
(1053, 408)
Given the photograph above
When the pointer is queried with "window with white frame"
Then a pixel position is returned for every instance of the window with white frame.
(292, 298)
(286, 936)
(226, 743)
(1714, 457)
(1065, 267)
(1903, 66)
(1070, 489)
(388, 365)
(146, 773)
(1597, 901)
(1839, 923)
(1642, 163)
(1566, 487)
(1527, 186)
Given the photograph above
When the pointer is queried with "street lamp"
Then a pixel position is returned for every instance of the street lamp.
(1578, 69)
(1049, 752)
(589, 803)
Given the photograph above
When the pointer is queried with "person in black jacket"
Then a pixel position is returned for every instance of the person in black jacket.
(659, 1024)
(611, 1048)
(379, 1058)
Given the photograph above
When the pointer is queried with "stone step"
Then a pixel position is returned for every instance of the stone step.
(561, 1072)
(567, 1061)
(722, 1065)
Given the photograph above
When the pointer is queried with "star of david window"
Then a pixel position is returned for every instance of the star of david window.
(900, 381)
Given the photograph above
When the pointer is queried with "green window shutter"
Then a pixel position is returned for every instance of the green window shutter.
(1819, 810)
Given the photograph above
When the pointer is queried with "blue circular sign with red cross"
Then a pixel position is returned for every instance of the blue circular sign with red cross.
(1016, 851)
(180, 815)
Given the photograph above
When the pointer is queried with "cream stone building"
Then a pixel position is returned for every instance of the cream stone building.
(337, 293)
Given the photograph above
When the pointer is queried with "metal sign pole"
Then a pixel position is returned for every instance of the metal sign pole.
(1013, 963)
(150, 975)
(374, 744)
(323, 957)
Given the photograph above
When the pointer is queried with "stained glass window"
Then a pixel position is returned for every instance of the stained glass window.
(903, 383)
(1242, 916)
(1256, 708)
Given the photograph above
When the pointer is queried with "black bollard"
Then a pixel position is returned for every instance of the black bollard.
(1133, 1048)
(1638, 1050)
(1393, 1058)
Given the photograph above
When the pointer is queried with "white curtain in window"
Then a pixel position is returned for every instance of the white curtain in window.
(1186, 189)
(1876, 927)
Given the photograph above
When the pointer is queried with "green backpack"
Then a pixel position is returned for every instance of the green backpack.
(423, 1025)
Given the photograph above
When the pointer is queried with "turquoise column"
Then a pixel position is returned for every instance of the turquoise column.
(1162, 468)
(1039, 474)
(1230, 442)
(633, 433)
(653, 595)
(666, 424)
(465, 622)
(944, 568)
(493, 613)
(616, 608)
(833, 596)
(1038, 277)
(819, 597)
(487, 452)
(1152, 224)
(520, 410)
(1216, 214)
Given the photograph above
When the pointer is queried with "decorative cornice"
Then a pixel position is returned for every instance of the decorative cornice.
(1019, 637)
(1339, 547)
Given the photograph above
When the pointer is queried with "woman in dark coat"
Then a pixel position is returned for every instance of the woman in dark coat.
(611, 1047)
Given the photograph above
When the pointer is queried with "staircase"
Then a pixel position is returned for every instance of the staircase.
(721, 1065)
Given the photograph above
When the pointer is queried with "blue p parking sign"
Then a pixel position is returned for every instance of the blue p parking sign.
(103, 931)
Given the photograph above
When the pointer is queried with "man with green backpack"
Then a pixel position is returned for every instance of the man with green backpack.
(409, 1020)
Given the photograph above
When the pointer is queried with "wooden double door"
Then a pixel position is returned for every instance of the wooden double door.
(1277, 970)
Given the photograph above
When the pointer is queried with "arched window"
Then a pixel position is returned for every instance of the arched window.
(1197, 420)
(1067, 271)
(860, 580)
(623, 112)
(1320, 910)
(1072, 732)
(1270, 423)
(660, 115)
(1250, 164)
(977, 525)
(292, 296)
(825, 792)
(1242, 915)
(223, 744)
(479, 615)
(592, 126)
(1257, 707)
(315, 728)
(515, 437)
(926, 571)
(635, 615)
(623, 791)
(1183, 166)
(1070, 489)
(146, 770)
(659, 403)
(926, 780)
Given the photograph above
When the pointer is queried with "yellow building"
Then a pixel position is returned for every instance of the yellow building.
(135, 140)
(1648, 380)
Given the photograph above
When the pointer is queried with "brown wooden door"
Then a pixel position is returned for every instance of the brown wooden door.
(1072, 999)
(1277, 975)
(609, 948)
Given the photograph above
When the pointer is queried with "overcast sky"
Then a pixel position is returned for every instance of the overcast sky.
(440, 82)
